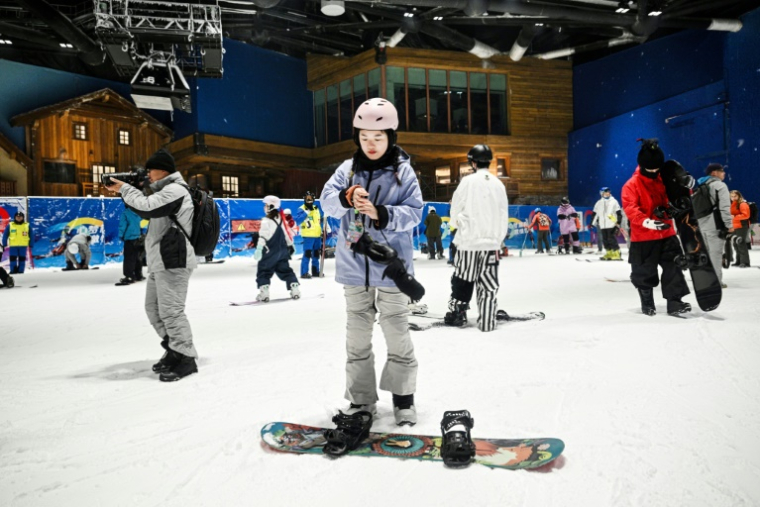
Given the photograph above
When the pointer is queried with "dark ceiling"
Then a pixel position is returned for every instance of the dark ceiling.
(298, 27)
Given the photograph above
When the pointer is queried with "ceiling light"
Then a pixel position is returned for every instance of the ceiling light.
(655, 13)
(408, 14)
(333, 7)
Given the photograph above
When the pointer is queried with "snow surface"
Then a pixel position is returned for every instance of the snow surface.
(654, 411)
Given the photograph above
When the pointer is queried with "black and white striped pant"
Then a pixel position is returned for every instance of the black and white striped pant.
(476, 269)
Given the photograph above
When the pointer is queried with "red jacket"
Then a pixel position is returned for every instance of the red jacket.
(542, 221)
(740, 211)
(641, 195)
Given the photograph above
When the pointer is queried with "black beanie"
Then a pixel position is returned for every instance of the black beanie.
(714, 167)
(162, 160)
(650, 154)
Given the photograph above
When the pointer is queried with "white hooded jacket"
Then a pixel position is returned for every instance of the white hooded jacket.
(606, 213)
(480, 212)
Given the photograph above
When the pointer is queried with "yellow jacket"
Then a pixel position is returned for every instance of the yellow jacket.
(19, 234)
(311, 226)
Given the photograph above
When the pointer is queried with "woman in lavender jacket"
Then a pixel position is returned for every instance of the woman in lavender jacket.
(568, 226)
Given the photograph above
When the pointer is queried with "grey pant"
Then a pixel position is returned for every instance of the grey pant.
(715, 246)
(165, 305)
(84, 253)
(400, 372)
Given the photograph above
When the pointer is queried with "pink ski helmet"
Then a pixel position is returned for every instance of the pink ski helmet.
(376, 114)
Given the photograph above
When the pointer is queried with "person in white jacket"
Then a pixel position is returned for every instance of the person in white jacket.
(480, 214)
(273, 251)
(607, 217)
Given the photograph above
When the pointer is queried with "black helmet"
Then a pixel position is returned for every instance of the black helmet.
(481, 155)
(650, 155)
(20, 214)
(565, 200)
(307, 195)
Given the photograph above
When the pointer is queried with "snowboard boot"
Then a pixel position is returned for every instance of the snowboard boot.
(439, 256)
(295, 290)
(186, 366)
(168, 361)
(314, 272)
(607, 256)
(125, 281)
(404, 410)
(10, 283)
(351, 430)
(647, 302)
(457, 447)
(355, 408)
(616, 256)
(263, 295)
(305, 275)
(417, 308)
(456, 317)
(676, 307)
(577, 250)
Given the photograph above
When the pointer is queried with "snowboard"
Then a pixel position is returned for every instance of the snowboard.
(213, 262)
(597, 260)
(275, 300)
(88, 269)
(512, 454)
(695, 258)
(425, 321)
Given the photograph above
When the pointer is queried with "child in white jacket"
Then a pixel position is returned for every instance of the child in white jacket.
(273, 251)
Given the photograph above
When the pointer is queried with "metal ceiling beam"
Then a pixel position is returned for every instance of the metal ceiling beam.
(28, 35)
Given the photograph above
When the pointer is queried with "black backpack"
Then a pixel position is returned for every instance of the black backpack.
(205, 222)
(752, 212)
(701, 201)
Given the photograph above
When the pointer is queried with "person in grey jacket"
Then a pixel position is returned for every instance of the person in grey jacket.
(79, 244)
(718, 224)
(171, 260)
(376, 191)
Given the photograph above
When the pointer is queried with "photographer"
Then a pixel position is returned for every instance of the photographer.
(171, 260)
(377, 191)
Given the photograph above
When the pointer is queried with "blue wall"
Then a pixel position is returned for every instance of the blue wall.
(262, 97)
(703, 106)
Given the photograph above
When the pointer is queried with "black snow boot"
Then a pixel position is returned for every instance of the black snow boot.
(186, 366)
(10, 283)
(457, 317)
(676, 306)
(69, 266)
(577, 250)
(305, 275)
(647, 302)
(315, 272)
(168, 361)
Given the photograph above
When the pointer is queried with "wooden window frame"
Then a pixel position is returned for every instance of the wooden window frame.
(229, 192)
(74, 126)
(562, 167)
(129, 137)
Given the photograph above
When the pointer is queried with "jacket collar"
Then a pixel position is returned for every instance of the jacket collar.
(174, 177)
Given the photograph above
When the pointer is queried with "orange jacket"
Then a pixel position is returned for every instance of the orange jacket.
(536, 222)
(740, 211)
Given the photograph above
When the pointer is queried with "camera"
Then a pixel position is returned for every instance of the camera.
(136, 177)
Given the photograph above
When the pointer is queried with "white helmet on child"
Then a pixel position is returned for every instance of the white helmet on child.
(376, 114)
(287, 211)
(271, 202)
(73, 248)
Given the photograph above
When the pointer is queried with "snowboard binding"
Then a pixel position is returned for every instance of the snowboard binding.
(686, 261)
(457, 447)
(351, 431)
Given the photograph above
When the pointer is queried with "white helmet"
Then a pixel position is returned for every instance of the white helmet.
(376, 114)
(287, 211)
(73, 248)
(271, 202)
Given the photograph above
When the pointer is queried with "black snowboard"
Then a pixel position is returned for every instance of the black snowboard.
(695, 257)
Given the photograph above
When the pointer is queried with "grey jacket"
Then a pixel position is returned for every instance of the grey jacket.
(718, 193)
(164, 243)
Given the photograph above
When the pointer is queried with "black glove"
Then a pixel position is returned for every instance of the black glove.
(619, 214)
(382, 254)
(291, 250)
(574, 215)
(562, 217)
(403, 280)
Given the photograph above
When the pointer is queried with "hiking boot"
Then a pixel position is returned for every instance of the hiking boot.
(676, 306)
(186, 366)
(404, 410)
(647, 302)
(263, 295)
(295, 290)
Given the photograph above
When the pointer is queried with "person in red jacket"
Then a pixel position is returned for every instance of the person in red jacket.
(653, 241)
(740, 212)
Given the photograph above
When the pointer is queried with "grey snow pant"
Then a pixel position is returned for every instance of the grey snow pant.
(165, 305)
(715, 246)
(400, 372)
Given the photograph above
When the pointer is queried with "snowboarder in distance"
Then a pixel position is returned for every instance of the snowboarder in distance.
(607, 217)
(273, 251)
(79, 244)
(433, 234)
(376, 191)
(653, 241)
(543, 223)
(480, 212)
(17, 237)
(309, 216)
(568, 227)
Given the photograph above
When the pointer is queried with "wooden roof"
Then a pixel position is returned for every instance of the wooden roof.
(102, 103)
(15, 153)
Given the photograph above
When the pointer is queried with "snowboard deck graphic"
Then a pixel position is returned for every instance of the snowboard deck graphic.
(275, 300)
(425, 321)
(511, 454)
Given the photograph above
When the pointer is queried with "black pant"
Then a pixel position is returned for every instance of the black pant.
(132, 265)
(609, 239)
(434, 242)
(645, 256)
(742, 247)
(3, 275)
(543, 239)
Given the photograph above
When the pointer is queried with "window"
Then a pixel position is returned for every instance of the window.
(502, 168)
(360, 90)
(80, 131)
(59, 172)
(465, 169)
(498, 96)
(332, 114)
(551, 169)
(479, 103)
(459, 102)
(230, 186)
(97, 170)
(443, 174)
(320, 117)
(346, 111)
(373, 80)
(124, 137)
(418, 111)
(439, 101)
(396, 92)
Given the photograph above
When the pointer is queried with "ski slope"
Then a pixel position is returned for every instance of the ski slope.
(654, 411)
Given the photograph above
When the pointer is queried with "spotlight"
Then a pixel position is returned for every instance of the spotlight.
(333, 7)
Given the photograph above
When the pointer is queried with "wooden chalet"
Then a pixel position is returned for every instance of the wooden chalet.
(73, 142)
(15, 168)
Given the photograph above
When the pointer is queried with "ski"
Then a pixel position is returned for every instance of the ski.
(213, 262)
(501, 318)
(275, 300)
